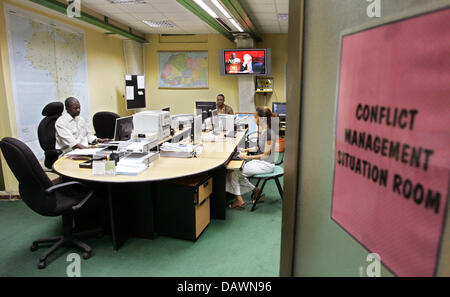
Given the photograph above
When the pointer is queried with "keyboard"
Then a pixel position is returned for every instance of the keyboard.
(110, 148)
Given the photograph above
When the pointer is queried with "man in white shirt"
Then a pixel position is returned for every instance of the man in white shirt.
(72, 130)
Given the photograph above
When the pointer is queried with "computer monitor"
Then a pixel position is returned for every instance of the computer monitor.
(228, 121)
(197, 130)
(206, 107)
(279, 108)
(215, 122)
(123, 129)
(166, 109)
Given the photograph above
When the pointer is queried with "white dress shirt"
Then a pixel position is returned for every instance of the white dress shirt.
(72, 131)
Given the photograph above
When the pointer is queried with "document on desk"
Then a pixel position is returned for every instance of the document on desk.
(83, 152)
(176, 150)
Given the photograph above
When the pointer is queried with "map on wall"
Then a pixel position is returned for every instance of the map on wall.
(48, 63)
(183, 70)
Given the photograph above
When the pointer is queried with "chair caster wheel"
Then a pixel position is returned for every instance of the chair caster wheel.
(87, 255)
(34, 247)
(42, 265)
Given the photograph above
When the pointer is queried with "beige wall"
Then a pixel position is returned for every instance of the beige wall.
(278, 43)
(4, 116)
(183, 101)
(106, 72)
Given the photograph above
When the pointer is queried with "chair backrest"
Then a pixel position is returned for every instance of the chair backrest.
(46, 129)
(279, 159)
(32, 179)
(104, 124)
(251, 139)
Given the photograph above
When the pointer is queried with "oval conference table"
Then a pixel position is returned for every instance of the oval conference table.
(130, 203)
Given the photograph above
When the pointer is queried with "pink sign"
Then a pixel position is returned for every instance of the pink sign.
(392, 157)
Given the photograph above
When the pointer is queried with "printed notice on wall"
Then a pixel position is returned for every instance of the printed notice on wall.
(392, 155)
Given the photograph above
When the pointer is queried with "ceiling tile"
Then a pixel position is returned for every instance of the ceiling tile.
(264, 14)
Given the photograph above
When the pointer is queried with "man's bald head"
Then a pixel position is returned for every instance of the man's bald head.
(70, 100)
(72, 106)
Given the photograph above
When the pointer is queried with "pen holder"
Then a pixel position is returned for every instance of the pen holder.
(114, 157)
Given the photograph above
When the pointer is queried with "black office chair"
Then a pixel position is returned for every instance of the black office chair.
(47, 132)
(251, 139)
(104, 123)
(47, 199)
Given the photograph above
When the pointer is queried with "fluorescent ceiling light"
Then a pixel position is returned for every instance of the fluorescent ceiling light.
(235, 24)
(206, 8)
(126, 1)
(220, 7)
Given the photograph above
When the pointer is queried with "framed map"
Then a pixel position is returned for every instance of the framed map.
(183, 70)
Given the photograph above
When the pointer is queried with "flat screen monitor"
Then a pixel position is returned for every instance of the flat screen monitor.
(279, 108)
(166, 109)
(227, 121)
(249, 119)
(215, 122)
(197, 129)
(245, 62)
(123, 129)
(206, 107)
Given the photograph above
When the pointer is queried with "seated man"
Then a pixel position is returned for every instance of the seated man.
(72, 130)
(222, 108)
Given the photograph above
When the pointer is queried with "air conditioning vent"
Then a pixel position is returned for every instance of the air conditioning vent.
(160, 24)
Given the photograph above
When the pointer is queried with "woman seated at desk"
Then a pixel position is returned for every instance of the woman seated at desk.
(260, 163)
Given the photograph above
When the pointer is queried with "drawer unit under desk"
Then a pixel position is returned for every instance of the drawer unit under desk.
(182, 206)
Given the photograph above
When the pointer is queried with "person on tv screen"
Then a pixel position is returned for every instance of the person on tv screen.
(247, 66)
(258, 65)
(72, 130)
(222, 107)
(233, 59)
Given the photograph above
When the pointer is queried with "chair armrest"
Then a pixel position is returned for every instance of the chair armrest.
(51, 156)
(71, 183)
(62, 185)
(82, 202)
(248, 134)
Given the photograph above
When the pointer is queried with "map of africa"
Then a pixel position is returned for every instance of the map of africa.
(48, 63)
(183, 69)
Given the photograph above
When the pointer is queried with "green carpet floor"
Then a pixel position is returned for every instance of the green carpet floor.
(246, 244)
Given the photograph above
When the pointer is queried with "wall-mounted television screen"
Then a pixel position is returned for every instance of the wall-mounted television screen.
(245, 62)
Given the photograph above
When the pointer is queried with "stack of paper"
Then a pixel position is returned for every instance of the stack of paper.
(130, 170)
(138, 159)
(135, 163)
(77, 153)
(177, 150)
